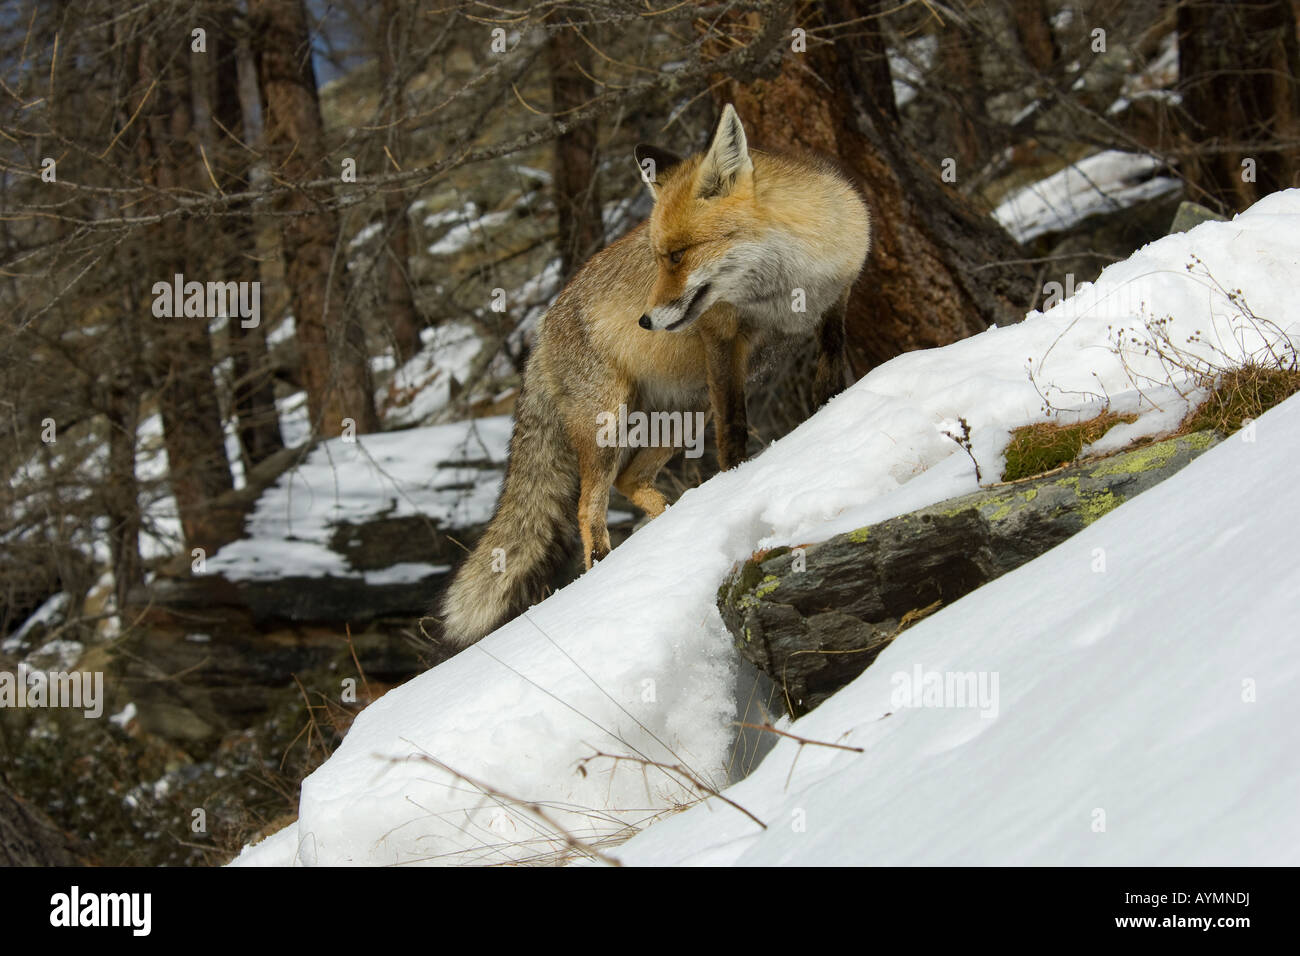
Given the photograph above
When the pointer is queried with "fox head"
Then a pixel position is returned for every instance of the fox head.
(703, 226)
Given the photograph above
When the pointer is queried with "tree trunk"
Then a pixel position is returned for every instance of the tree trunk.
(939, 268)
(1034, 32)
(253, 388)
(964, 123)
(580, 231)
(335, 366)
(404, 321)
(1238, 69)
(121, 491)
(182, 359)
(123, 385)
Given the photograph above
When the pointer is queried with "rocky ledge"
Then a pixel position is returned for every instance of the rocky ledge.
(813, 617)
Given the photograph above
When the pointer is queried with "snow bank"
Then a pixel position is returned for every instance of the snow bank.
(1147, 698)
(1103, 182)
(632, 658)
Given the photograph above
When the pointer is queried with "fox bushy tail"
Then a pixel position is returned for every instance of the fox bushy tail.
(531, 538)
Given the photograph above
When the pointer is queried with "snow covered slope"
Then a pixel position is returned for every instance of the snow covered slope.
(632, 659)
(1145, 704)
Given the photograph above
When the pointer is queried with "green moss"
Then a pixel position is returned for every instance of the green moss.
(1036, 449)
(749, 590)
(743, 587)
(1004, 505)
(860, 536)
(741, 579)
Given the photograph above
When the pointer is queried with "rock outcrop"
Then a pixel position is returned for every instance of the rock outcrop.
(813, 617)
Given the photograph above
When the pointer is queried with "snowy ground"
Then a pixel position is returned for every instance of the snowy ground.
(422, 386)
(1152, 699)
(1103, 182)
(1145, 695)
(419, 471)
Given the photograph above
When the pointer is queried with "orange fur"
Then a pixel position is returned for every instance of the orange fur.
(742, 251)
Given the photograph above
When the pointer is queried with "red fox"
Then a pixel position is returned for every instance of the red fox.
(743, 248)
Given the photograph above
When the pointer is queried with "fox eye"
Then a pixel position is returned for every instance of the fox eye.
(676, 256)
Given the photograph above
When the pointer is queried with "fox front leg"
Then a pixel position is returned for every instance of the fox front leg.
(829, 379)
(637, 479)
(725, 363)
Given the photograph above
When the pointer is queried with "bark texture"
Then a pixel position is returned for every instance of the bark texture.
(1238, 69)
(940, 269)
(331, 341)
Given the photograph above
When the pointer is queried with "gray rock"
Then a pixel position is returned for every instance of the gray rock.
(813, 618)
(1191, 214)
(210, 598)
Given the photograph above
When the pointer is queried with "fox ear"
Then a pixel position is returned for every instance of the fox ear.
(727, 160)
(654, 164)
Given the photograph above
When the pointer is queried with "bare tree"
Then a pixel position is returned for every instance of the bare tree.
(575, 185)
(397, 27)
(1238, 69)
(335, 367)
(180, 349)
(229, 135)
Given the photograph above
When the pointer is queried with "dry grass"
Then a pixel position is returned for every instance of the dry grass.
(1242, 394)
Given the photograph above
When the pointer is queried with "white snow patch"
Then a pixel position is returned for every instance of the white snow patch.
(124, 716)
(908, 65)
(405, 572)
(53, 610)
(1103, 182)
(284, 332)
(420, 471)
(422, 387)
(280, 849)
